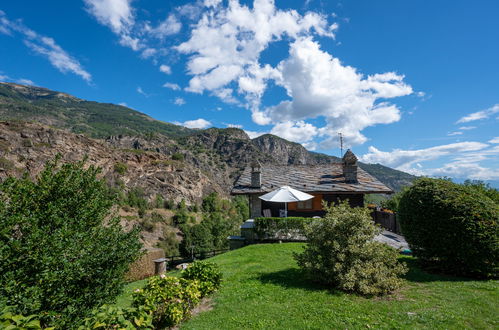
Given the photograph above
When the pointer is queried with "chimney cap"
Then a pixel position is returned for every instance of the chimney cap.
(349, 158)
(255, 165)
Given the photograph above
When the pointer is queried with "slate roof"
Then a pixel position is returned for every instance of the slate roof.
(327, 178)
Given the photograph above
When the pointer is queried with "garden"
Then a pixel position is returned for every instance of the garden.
(64, 257)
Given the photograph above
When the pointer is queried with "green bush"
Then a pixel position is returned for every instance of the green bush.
(207, 273)
(452, 228)
(120, 168)
(10, 320)
(178, 156)
(169, 299)
(61, 255)
(273, 228)
(341, 253)
(109, 317)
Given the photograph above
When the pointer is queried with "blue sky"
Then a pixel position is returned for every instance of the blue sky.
(413, 85)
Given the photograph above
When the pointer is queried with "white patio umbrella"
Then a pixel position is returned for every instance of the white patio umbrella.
(286, 195)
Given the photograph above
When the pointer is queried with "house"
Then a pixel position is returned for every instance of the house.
(326, 182)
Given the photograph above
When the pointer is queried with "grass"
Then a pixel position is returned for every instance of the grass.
(263, 288)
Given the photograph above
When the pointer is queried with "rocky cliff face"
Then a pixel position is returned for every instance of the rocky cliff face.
(27, 147)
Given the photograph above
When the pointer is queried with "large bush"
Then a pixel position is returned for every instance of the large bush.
(341, 253)
(61, 254)
(207, 273)
(452, 227)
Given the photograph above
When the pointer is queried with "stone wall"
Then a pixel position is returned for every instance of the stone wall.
(144, 266)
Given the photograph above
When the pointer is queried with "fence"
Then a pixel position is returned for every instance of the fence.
(387, 220)
(172, 261)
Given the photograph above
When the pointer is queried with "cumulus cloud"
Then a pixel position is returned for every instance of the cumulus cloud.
(298, 131)
(165, 69)
(226, 43)
(494, 140)
(403, 159)
(45, 46)
(234, 125)
(254, 134)
(465, 160)
(224, 51)
(179, 101)
(484, 114)
(321, 86)
(197, 123)
(173, 86)
(169, 26)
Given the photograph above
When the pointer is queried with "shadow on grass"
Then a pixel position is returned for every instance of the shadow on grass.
(416, 274)
(294, 278)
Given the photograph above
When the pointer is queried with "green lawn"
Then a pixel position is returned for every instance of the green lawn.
(263, 288)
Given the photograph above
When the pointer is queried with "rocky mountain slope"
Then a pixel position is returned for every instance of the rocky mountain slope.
(218, 155)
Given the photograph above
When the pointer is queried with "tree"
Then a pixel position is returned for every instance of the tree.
(341, 253)
(61, 254)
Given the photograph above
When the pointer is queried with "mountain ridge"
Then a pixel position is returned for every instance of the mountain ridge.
(223, 152)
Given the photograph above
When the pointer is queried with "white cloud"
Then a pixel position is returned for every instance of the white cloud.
(403, 159)
(123, 104)
(484, 114)
(225, 47)
(299, 131)
(141, 91)
(179, 101)
(197, 123)
(24, 81)
(466, 158)
(320, 86)
(116, 14)
(467, 128)
(165, 69)
(45, 46)
(173, 86)
(4, 77)
(169, 26)
(254, 134)
(148, 52)
(494, 140)
(234, 125)
(454, 133)
(226, 42)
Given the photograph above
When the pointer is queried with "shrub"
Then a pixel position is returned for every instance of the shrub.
(207, 273)
(341, 253)
(61, 254)
(169, 243)
(10, 320)
(178, 156)
(169, 299)
(274, 228)
(451, 228)
(113, 317)
(120, 168)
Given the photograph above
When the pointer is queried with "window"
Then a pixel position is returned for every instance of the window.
(305, 205)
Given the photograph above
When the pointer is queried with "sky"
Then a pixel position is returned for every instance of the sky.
(413, 85)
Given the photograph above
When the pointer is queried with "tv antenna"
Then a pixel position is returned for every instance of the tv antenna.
(341, 144)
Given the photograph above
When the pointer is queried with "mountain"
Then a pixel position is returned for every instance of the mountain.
(97, 120)
(219, 154)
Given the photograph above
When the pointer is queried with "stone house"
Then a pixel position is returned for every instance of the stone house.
(326, 182)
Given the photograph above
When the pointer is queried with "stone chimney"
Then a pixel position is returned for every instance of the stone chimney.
(256, 175)
(349, 162)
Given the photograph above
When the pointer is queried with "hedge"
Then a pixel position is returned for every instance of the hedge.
(451, 227)
(274, 228)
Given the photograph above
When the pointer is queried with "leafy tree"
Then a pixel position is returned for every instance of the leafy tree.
(451, 227)
(341, 253)
(61, 254)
